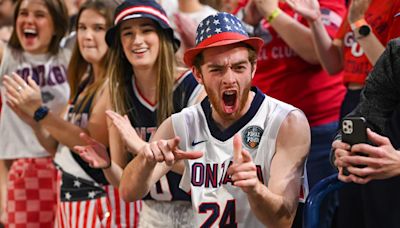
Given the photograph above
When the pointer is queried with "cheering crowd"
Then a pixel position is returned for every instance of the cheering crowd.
(190, 113)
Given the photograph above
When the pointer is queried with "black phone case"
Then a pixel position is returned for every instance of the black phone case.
(354, 130)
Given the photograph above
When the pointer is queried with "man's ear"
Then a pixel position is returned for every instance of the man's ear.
(197, 75)
(254, 68)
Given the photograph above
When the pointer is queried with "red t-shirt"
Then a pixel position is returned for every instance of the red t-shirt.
(282, 74)
(384, 18)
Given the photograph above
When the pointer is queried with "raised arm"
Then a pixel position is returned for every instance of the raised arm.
(43, 136)
(329, 51)
(123, 138)
(275, 205)
(372, 47)
(296, 35)
(124, 143)
(28, 99)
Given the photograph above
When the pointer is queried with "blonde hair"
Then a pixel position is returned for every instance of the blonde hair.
(121, 79)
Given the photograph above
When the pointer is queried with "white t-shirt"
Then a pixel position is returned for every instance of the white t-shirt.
(17, 139)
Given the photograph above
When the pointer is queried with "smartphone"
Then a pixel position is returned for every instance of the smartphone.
(354, 131)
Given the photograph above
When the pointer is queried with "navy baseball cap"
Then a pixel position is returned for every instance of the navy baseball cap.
(131, 9)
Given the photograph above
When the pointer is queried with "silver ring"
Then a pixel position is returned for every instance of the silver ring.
(19, 88)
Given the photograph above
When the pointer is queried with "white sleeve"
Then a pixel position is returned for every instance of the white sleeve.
(180, 129)
(4, 63)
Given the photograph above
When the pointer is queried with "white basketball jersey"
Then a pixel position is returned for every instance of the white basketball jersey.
(216, 202)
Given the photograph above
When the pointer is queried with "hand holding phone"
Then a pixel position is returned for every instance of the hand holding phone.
(354, 131)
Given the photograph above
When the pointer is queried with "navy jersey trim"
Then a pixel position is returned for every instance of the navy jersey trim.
(228, 133)
(95, 174)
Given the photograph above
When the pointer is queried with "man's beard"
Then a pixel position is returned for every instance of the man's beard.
(215, 103)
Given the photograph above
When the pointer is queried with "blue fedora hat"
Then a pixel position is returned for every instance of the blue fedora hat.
(218, 30)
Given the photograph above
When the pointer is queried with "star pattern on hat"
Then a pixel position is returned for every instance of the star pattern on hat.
(219, 23)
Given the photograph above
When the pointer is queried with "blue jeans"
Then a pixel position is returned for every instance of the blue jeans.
(319, 167)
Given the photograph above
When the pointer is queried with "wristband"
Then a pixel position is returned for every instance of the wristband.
(358, 24)
(273, 15)
(40, 113)
(360, 28)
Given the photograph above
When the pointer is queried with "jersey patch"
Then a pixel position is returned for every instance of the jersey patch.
(252, 136)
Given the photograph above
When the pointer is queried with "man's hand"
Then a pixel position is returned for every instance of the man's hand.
(382, 161)
(167, 151)
(24, 96)
(243, 171)
(93, 153)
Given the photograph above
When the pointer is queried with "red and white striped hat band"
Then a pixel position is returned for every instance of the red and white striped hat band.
(127, 14)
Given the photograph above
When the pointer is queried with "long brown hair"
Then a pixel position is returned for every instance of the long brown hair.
(78, 66)
(120, 71)
(58, 13)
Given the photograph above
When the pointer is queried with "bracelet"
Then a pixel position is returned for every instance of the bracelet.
(40, 113)
(274, 15)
